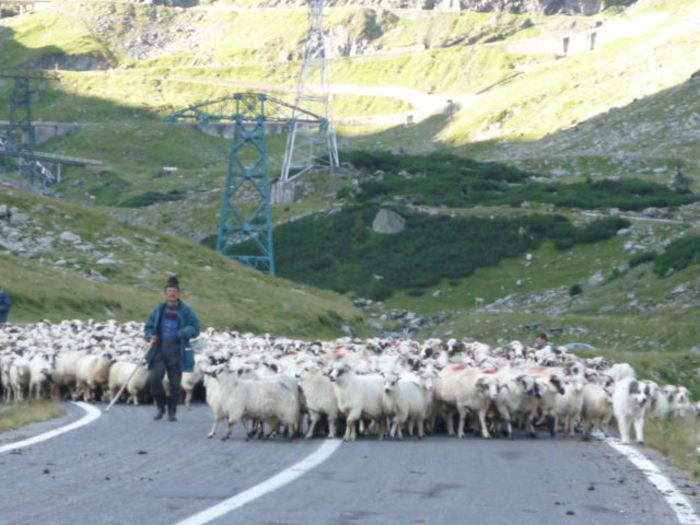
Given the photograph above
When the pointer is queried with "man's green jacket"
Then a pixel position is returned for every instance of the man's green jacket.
(189, 328)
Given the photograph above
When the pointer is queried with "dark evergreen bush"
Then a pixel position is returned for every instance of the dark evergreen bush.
(642, 258)
(443, 179)
(151, 197)
(678, 255)
(343, 253)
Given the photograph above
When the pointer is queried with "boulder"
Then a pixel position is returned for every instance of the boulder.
(596, 278)
(388, 221)
(69, 238)
(19, 218)
(108, 262)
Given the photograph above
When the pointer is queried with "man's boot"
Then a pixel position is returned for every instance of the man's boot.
(159, 414)
(172, 407)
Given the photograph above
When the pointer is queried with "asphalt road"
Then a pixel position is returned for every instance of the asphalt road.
(126, 468)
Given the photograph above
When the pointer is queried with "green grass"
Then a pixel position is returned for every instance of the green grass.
(677, 440)
(550, 96)
(43, 32)
(23, 413)
(659, 327)
(577, 86)
(224, 293)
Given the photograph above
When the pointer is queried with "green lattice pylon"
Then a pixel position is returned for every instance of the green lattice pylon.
(245, 212)
(20, 141)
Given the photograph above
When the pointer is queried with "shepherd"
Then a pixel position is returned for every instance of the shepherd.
(4, 305)
(169, 329)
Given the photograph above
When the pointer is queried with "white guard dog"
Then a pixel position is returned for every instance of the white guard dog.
(630, 400)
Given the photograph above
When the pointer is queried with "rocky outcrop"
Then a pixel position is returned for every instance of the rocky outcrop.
(546, 7)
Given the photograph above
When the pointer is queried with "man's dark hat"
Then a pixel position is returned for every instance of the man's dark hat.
(173, 282)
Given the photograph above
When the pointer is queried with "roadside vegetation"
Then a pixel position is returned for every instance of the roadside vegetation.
(22, 413)
(677, 440)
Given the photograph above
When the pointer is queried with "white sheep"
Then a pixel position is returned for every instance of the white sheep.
(597, 408)
(275, 401)
(446, 393)
(567, 406)
(514, 388)
(319, 400)
(5, 362)
(190, 380)
(226, 398)
(121, 372)
(267, 400)
(475, 391)
(19, 378)
(65, 373)
(40, 372)
(546, 388)
(404, 401)
(682, 404)
(92, 371)
(358, 396)
(662, 405)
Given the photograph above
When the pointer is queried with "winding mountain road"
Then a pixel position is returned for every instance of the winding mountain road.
(124, 468)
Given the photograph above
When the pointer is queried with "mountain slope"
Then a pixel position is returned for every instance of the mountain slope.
(61, 261)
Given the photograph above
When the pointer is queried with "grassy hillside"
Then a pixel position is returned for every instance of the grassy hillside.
(66, 280)
(621, 109)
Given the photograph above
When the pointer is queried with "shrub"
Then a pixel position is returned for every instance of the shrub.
(575, 290)
(642, 258)
(377, 291)
(429, 249)
(678, 255)
(461, 182)
(151, 197)
(615, 274)
(344, 193)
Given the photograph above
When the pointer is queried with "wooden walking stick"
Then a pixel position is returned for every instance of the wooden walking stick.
(138, 365)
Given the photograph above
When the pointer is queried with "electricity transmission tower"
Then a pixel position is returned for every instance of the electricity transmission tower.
(20, 141)
(245, 227)
(309, 146)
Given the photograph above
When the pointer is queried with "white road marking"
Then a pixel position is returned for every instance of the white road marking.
(275, 482)
(678, 502)
(91, 415)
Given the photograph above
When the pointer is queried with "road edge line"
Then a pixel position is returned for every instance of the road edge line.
(92, 413)
(680, 505)
(269, 485)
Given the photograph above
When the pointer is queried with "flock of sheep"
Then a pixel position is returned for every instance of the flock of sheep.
(373, 386)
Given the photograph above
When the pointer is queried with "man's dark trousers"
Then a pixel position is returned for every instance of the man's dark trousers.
(166, 362)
